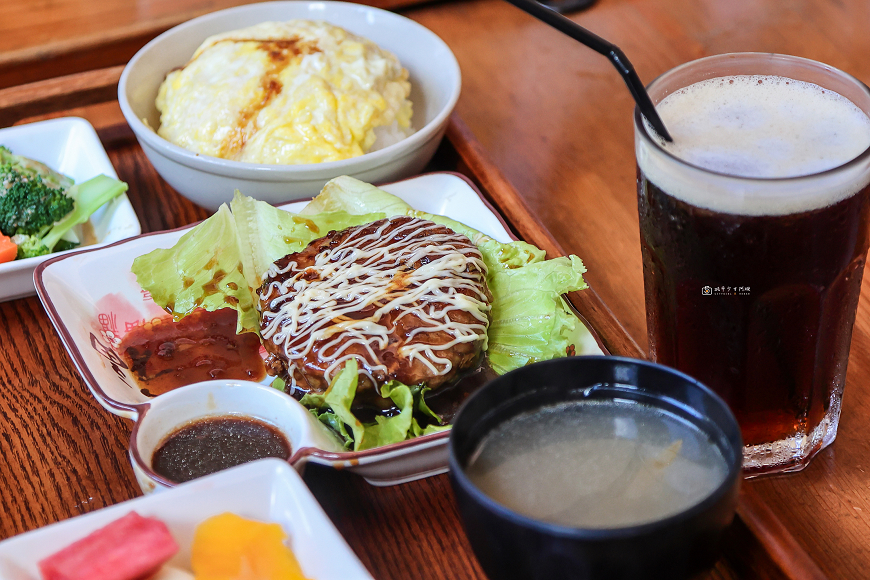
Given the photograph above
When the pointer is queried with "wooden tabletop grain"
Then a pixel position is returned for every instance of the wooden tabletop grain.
(555, 119)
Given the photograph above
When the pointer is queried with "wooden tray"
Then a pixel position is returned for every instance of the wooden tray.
(402, 532)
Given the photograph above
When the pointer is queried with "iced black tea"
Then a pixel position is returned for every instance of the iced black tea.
(754, 232)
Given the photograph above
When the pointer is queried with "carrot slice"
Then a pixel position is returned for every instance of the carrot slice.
(8, 249)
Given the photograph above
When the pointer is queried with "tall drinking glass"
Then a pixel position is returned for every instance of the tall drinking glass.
(754, 240)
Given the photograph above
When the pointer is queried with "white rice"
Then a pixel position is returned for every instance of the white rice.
(386, 135)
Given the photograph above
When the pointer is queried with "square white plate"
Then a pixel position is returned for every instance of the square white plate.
(268, 490)
(93, 299)
(71, 146)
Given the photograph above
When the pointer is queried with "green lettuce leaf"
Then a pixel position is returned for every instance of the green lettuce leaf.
(355, 197)
(267, 233)
(530, 320)
(333, 408)
(220, 262)
(335, 423)
(423, 410)
(204, 269)
(337, 401)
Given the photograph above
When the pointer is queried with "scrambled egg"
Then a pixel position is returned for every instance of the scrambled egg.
(285, 93)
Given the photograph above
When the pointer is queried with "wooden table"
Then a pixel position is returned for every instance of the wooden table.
(556, 120)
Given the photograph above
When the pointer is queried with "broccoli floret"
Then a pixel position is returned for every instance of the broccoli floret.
(89, 197)
(29, 246)
(28, 203)
(38, 205)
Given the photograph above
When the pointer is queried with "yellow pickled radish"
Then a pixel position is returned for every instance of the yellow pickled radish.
(230, 547)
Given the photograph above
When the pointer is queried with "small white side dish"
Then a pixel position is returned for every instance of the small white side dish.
(265, 490)
(69, 145)
(163, 415)
(93, 299)
(210, 181)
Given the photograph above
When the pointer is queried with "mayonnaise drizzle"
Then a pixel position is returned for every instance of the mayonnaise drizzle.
(374, 269)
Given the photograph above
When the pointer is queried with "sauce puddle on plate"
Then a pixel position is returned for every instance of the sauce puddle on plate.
(211, 444)
(597, 464)
(200, 347)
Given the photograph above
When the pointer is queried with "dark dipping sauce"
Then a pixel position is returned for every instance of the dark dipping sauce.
(202, 346)
(209, 445)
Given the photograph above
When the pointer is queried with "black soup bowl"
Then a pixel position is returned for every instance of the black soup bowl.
(509, 545)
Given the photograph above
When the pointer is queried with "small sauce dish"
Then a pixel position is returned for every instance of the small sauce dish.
(595, 468)
(166, 414)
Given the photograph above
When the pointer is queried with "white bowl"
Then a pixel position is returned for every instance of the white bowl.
(71, 146)
(210, 181)
(267, 490)
(163, 415)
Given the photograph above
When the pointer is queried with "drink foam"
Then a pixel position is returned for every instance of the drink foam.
(764, 127)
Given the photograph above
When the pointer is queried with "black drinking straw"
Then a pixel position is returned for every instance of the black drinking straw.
(601, 46)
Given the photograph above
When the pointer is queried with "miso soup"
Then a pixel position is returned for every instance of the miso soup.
(597, 464)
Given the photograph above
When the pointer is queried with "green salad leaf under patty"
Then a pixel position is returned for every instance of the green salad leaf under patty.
(220, 264)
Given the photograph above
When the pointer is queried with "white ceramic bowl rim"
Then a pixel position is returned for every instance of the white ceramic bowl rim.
(267, 172)
(164, 404)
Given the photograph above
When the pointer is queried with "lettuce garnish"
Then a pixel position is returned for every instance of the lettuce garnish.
(333, 408)
(220, 263)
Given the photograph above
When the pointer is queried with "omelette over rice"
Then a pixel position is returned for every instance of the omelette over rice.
(291, 92)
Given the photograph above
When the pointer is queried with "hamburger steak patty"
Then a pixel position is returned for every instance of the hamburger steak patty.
(405, 297)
